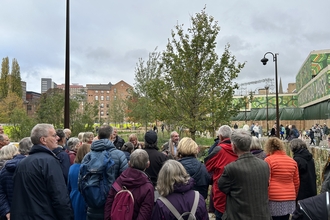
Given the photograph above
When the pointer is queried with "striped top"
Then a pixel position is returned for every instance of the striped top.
(284, 177)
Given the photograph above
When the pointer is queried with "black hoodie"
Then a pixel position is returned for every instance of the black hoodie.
(307, 173)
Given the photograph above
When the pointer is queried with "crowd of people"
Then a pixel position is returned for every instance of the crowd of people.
(51, 175)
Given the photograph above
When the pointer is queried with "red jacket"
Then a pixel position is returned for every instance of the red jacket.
(215, 165)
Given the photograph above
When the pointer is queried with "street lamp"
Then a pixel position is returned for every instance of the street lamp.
(264, 62)
(267, 87)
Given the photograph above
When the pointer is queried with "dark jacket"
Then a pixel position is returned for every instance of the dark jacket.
(142, 189)
(2, 163)
(216, 142)
(307, 174)
(157, 160)
(198, 172)
(120, 165)
(245, 182)
(259, 153)
(313, 208)
(119, 142)
(40, 191)
(182, 199)
(7, 184)
(64, 161)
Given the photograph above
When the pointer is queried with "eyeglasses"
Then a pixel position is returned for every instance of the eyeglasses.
(54, 135)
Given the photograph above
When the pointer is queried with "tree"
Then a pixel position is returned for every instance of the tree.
(16, 86)
(21, 124)
(140, 107)
(50, 108)
(192, 85)
(84, 120)
(8, 105)
(117, 110)
(4, 79)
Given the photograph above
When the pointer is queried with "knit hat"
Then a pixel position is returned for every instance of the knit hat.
(150, 137)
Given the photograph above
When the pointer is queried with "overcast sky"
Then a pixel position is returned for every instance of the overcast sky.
(108, 37)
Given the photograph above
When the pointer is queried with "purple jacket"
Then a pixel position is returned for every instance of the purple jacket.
(182, 199)
(142, 189)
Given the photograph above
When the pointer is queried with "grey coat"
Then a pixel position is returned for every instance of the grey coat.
(245, 182)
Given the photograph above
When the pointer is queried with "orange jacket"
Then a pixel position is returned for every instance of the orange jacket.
(284, 177)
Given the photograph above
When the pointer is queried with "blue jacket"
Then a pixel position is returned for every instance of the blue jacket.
(120, 160)
(7, 183)
(77, 201)
(198, 172)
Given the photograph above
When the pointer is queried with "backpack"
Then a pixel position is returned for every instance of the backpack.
(295, 133)
(96, 177)
(191, 214)
(123, 204)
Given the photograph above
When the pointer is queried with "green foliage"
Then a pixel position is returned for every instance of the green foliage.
(189, 84)
(16, 86)
(116, 111)
(8, 105)
(140, 107)
(21, 124)
(82, 121)
(51, 107)
(4, 79)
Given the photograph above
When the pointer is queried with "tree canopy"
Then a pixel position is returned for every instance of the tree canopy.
(189, 84)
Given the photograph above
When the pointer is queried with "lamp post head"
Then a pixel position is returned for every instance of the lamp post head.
(264, 60)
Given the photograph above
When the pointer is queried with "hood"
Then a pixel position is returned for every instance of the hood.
(303, 153)
(11, 165)
(101, 145)
(133, 178)
(255, 151)
(182, 188)
(226, 145)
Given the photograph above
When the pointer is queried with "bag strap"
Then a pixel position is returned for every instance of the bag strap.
(175, 212)
(170, 207)
(196, 200)
(116, 186)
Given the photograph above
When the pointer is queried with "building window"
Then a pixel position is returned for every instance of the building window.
(108, 92)
(102, 97)
(29, 107)
(102, 105)
(115, 97)
(96, 91)
(115, 90)
(102, 113)
(107, 105)
(96, 98)
(102, 91)
(108, 98)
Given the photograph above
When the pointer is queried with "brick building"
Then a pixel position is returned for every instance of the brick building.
(105, 94)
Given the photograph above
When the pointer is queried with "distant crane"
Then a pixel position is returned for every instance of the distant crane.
(242, 88)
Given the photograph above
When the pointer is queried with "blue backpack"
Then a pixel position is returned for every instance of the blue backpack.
(96, 176)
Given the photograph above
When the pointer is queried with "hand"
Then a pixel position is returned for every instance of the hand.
(8, 216)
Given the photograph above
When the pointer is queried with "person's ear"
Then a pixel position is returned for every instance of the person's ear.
(129, 163)
(148, 164)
